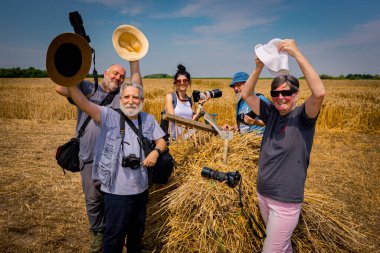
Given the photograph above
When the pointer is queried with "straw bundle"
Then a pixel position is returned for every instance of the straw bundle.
(203, 215)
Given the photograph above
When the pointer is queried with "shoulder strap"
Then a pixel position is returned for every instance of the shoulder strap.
(138, 131)
(190, 100)
(106, 101)
(174, 98)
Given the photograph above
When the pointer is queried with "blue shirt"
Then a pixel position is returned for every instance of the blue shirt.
(108, 168)
(242, 107)
(88, 139)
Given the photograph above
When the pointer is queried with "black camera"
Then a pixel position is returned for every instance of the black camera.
(251, 114)
(131, 161)
(232, 178)
(77, 23)
(197, 95)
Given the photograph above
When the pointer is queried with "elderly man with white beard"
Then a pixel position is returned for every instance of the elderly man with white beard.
(108, 95)
(125, 185)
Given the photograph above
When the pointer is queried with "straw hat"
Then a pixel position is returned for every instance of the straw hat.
(276, 62)
(68, 59)
(130, 43)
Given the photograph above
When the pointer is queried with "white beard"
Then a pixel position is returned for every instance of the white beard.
(238, 96)
(130, 111)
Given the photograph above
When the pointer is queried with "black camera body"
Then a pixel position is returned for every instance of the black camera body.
(250, 114)
(197, 95)
(232, 178)
(77, 23)
(131, 161)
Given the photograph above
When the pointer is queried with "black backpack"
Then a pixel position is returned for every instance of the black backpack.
(164, 124)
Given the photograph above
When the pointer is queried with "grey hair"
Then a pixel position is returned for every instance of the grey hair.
(291, 81)
(132, 84)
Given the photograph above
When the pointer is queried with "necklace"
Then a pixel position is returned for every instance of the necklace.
(182, 100)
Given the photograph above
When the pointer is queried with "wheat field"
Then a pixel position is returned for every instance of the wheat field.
(42, 209)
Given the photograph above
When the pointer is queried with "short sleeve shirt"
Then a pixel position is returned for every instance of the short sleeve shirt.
(285, 153)
(242, 107)
(124, 180)
(88, 139)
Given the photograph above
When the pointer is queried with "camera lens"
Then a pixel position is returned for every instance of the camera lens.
(206, 172)
(215, 93)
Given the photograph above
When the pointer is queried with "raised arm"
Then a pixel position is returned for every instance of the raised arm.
(92, 109)
(61, 90)
(314, 102)
(247, 93)
(135, 72)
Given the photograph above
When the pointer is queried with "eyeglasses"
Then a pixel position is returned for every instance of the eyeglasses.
(179, 81)
(284, 93)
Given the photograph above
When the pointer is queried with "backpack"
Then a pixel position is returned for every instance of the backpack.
(164, 124)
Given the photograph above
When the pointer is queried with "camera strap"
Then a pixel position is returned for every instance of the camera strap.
(138, 132)
(251, 219)
(106, 101)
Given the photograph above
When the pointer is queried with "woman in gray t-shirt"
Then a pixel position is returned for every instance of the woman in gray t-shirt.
(286, 146)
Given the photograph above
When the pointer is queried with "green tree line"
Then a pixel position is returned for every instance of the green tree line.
(33, 72)
(18, 72)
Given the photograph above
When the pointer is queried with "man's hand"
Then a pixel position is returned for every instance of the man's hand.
(248, 120)
(151, 159)
(227, 127)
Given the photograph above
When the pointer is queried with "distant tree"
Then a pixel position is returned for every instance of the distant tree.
(323, 76)
(17, 72)
(160, 75)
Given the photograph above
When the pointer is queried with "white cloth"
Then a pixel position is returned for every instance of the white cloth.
(276, 61)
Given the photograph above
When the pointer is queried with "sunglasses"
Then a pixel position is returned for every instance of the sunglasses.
(179, 81)
(284, 93)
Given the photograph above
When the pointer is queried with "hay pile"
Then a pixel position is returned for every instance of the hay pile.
(203, 215)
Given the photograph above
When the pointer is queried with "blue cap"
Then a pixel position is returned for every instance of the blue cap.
(239, 77)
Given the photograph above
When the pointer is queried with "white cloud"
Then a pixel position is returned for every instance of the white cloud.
(360, 35)
(126, 7)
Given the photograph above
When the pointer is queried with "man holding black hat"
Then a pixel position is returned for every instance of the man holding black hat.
(108, 89)
(246, 120)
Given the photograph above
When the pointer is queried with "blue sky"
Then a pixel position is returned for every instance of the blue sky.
(212, 38)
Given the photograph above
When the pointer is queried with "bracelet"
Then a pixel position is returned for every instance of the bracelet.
(159, 151)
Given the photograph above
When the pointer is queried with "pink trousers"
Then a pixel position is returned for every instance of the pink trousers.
(280, 220)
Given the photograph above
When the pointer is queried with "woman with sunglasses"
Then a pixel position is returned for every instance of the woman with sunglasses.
(178, 102)
(285, 148)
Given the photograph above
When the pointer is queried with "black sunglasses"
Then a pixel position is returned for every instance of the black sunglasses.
(284, 93)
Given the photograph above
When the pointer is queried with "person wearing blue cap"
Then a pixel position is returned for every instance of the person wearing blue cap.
(246, 119)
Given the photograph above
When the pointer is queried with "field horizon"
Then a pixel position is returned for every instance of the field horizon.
(42, 209)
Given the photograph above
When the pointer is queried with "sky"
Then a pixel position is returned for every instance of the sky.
(211, 38)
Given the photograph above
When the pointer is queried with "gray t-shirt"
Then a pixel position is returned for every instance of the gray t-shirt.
(108, 153)
(88, 139)
(285, 153)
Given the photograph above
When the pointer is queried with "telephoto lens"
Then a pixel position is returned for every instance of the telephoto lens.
(213, 174)
(232, 178)
(197, 95)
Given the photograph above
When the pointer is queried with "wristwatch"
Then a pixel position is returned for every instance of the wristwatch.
(159, 151)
